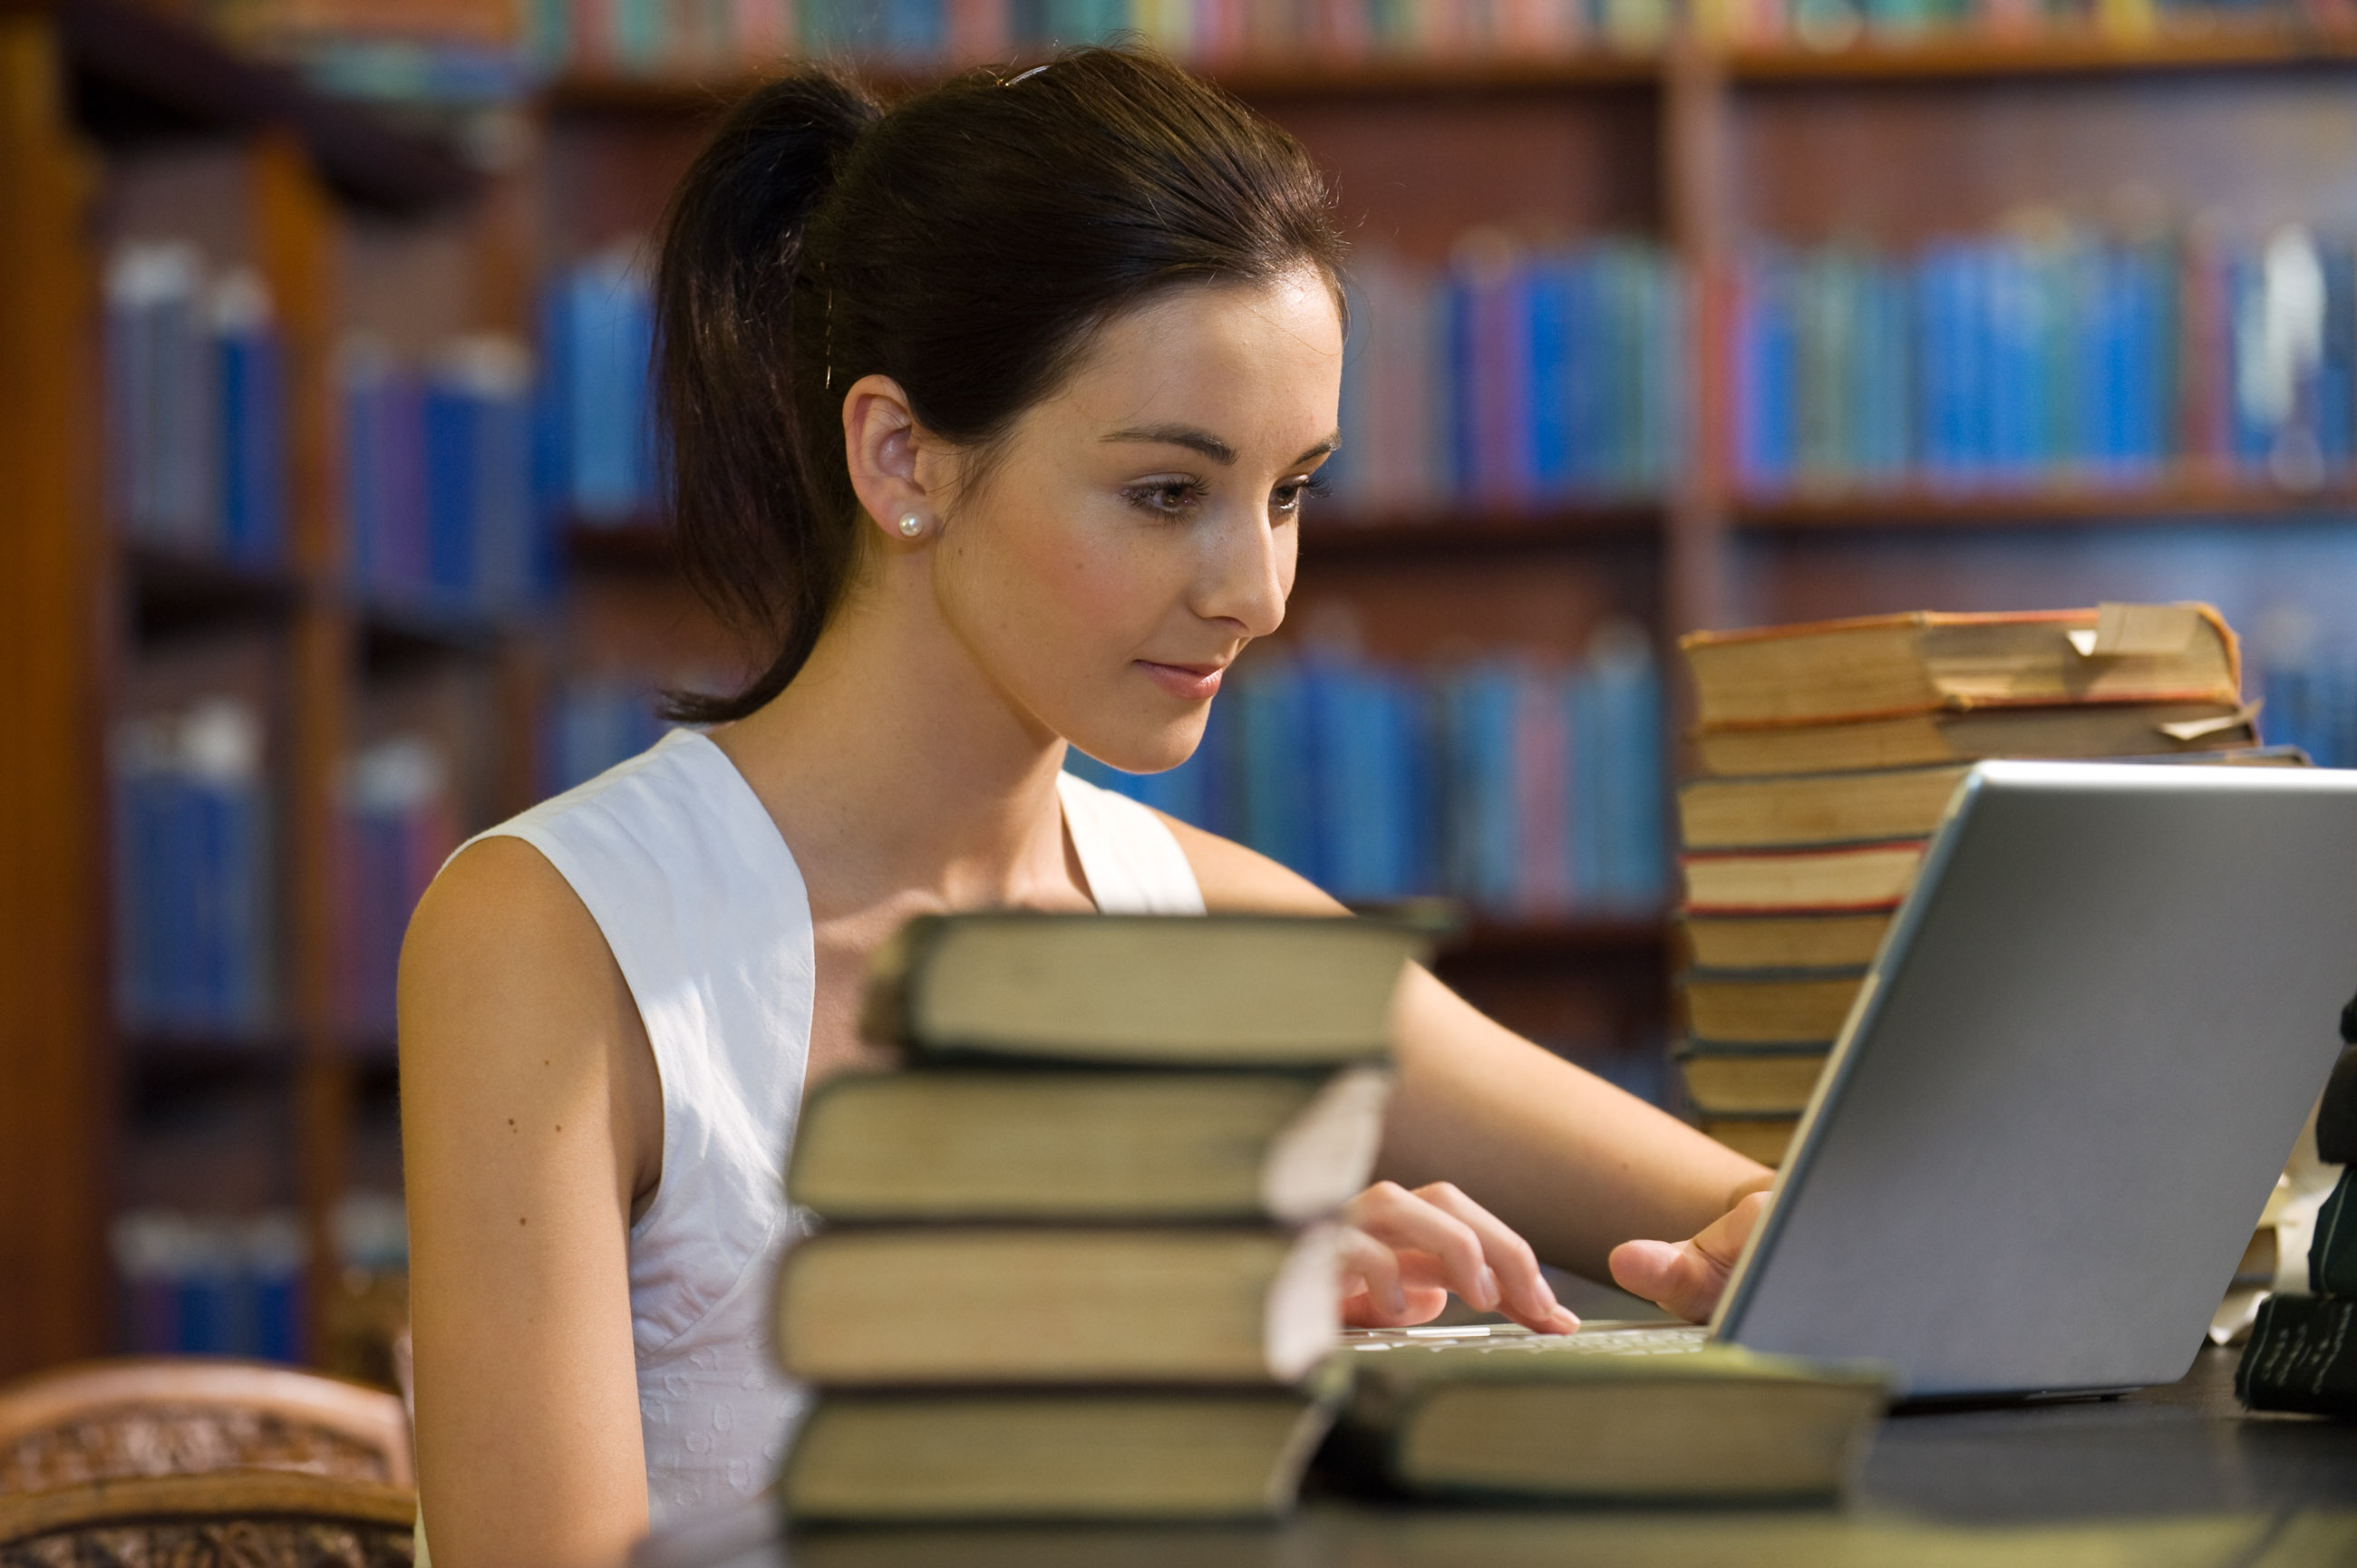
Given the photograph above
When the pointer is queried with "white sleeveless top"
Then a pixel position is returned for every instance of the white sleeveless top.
(705, 912)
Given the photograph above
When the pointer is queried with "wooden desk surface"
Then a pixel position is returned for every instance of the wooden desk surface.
(2170, 1477)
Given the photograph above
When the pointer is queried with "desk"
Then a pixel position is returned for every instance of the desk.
(2169, 1477)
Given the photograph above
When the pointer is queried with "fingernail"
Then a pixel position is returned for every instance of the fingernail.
(1395, 1299)
(1490, 1293)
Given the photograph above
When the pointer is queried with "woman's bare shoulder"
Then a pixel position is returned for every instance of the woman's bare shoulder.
(502, 944)
(497, 900)
(1234, 878)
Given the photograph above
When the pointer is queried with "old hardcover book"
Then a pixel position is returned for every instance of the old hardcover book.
(1007, 1304)
(1881, 666)
(1552, 1417)
(1783, 942)
(1786, 1010)
(1047, 1146)
(1758, 1135)
(1857, 878)
(1158, 1454)
(1197, 990)
(1873, 803)
(1762, 1081)
(1923, 740)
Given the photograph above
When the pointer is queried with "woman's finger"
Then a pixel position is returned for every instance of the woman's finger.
(1524, 1294)
(1687, 1277)
(1407, 1220)
(1384, 1289)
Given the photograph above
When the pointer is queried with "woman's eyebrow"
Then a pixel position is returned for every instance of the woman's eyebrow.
(1209, 445)
(1186, 436)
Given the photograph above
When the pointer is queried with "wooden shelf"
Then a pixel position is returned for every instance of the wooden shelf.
(1963, 55)
(138, 75)
(2074, 508)
(174, 589)
(646, 546)
(1937, 56)
(1333, 536)
(641, 544)
(398, 634)
(162, 1073)
(1263, 80)
(1559, 939)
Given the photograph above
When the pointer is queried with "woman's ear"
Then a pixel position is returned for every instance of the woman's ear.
(885, 448)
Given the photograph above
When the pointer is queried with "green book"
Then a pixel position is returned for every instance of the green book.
(2302, 1356)
(2332, 1254)
(1194, 991)
(1572, 1418)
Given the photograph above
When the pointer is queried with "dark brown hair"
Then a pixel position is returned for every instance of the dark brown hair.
(965, 244)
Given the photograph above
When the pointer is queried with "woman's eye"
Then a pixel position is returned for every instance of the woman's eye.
(1290, 495)
(1168, 497)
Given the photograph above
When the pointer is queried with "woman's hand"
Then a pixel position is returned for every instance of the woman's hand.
(1404, 1252)
(1686, 1277)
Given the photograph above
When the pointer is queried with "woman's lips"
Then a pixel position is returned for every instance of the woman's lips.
(1187, 682)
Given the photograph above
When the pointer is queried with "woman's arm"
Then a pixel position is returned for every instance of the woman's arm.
(531, 1117)
(1575, 1165)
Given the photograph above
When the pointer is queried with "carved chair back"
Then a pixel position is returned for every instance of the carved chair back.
(240, 1519)
(104, 1421)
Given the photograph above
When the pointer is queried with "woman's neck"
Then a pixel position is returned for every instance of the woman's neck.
(895, 768)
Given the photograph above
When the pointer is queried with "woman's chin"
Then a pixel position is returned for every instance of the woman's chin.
(1133, 752)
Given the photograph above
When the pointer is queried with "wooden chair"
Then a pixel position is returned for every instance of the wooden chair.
(238, 1519)
(105, 1421)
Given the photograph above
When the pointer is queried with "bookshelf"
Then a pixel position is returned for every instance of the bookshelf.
(123, 127)
(1702, 147)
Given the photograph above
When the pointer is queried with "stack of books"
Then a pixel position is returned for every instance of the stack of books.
(1831, 753)
(1074, 1265)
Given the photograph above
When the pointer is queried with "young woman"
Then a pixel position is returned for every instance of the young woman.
(994, 415)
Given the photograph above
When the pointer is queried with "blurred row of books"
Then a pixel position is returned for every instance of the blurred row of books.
(1513, 377)
(437, 477)
(1521, 787)
(2045, 357)
(212, 1283)
(470, 51)
(2049, 355)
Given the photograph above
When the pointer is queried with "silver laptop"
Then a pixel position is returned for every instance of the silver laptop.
(2064, 1094)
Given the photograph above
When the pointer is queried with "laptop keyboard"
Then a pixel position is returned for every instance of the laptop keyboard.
(1605, 1338)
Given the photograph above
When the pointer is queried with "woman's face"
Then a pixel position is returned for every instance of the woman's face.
(1136, 529)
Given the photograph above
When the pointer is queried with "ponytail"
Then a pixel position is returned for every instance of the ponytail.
(967, 244)
(757, 536)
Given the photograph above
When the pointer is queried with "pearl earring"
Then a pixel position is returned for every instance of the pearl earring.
(911, 525)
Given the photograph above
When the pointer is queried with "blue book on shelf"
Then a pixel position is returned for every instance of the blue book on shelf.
(2254, 433)
(1277, 741)
(1878, 419)
(1587, 384)
(1459, 359)
(1482, 841)
(2336, 374)
(1766, 372)
(253, 463)
(2019, 379)
(1550, 305)
(452, 468)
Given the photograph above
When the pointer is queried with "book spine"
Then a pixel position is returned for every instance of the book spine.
(2302, 1356)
